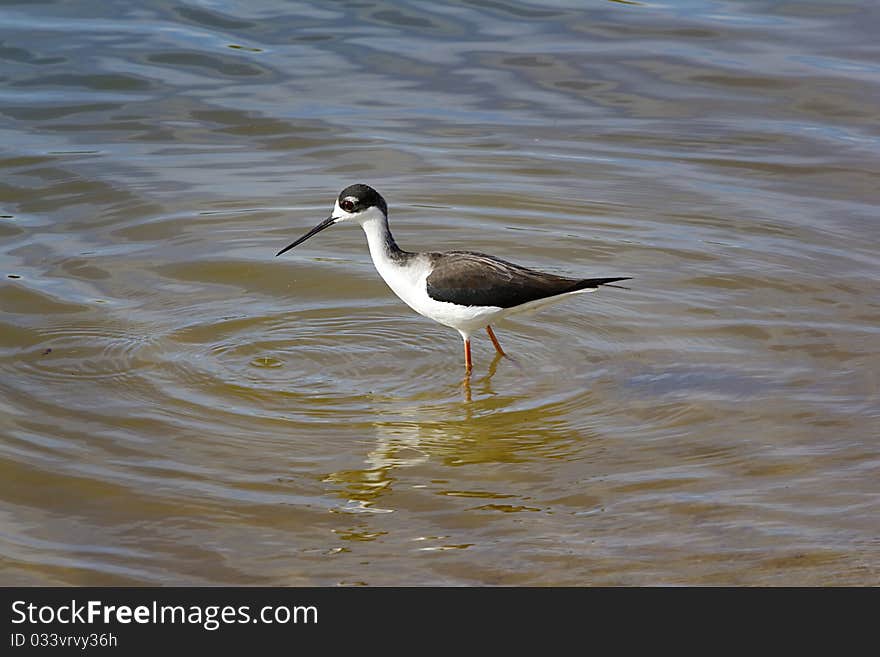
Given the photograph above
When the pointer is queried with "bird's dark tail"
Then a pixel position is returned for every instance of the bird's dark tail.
(588, 283)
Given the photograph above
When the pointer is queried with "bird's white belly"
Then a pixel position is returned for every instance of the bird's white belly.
(409, 283)
(408, 280)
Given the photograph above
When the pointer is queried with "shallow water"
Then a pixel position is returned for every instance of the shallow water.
(177, 406)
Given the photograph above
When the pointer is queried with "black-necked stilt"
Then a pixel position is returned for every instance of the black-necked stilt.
(464, 290)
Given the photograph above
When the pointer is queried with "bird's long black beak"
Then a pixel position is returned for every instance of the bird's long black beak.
(329, 221)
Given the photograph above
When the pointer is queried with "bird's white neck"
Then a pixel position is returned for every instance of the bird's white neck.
(383, 249)
(404, 272)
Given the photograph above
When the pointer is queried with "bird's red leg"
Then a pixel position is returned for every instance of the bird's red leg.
(495, 341)
(468, 365)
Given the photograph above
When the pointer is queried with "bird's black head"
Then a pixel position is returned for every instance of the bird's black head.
(357, 198)
(355, 203)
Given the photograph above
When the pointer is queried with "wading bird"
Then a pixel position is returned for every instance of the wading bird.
(464, 290)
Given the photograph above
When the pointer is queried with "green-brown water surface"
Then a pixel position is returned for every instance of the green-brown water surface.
(177, 406)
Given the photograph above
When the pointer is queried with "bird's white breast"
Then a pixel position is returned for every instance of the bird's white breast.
(408, 280)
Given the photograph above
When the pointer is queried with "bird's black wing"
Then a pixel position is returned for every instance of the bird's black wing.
(476, 279)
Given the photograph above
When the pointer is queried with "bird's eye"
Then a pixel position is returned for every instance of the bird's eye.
(347, 205)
